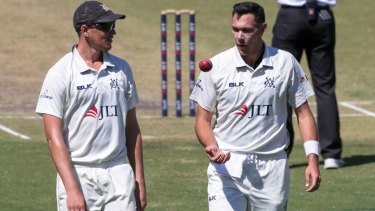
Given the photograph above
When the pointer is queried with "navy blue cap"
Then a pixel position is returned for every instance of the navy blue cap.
(92, 12)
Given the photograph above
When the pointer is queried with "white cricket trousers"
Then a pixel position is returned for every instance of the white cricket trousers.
(249, 182)
(108, 186)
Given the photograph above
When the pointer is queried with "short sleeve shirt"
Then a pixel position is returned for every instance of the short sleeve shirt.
(299, 3)
(92, 105)
(250, 104)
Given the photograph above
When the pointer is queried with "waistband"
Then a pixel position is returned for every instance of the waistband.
(258, 156)
(106, 164)
(303, 7)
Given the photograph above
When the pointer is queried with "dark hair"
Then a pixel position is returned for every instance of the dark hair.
(250, 8)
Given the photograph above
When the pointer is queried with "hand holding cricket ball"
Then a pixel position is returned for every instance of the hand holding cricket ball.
(205, 65)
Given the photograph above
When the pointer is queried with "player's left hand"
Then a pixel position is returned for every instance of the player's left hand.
(313, 173)
(140, 195)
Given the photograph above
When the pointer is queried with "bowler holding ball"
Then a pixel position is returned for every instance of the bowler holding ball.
(248, 90)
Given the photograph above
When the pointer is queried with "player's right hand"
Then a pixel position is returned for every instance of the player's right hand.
(216, 155)
(76, 202)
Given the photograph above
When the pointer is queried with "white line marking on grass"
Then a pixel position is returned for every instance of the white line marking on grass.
(352, 115)
(10, 131)
(147, 137)
(359, 102)
(20, 117)
(348, 105)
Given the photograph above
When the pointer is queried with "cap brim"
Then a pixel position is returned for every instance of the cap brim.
(110, 18)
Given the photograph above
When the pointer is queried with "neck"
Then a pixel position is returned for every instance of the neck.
(91, 56)
(256, 55)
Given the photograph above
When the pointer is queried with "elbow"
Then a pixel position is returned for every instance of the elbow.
(49, 141)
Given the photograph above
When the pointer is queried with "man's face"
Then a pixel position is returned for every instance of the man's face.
(247, 33)
(101, 36)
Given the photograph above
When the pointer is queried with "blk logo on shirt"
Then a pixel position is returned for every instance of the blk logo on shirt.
(105, 111)
(83, 87)
(235, 84)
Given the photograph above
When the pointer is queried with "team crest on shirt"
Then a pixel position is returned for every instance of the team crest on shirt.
(114, 84)
(269, 82)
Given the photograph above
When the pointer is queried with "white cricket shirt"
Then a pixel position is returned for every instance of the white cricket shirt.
(250, 104)
(92, 105)
(299, 3)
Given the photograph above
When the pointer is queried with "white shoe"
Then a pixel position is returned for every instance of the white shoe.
(332, 163)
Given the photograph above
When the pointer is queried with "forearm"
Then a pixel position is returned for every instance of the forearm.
(308, 130)
(203, 128)
(59, 152)
(134, 145)
(139, 171)
(135, 156)
(204, 133)
(63, 165)
(206, 137)
(306, 123)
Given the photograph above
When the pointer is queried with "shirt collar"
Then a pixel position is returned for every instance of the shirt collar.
(83, 67)
(266, 60)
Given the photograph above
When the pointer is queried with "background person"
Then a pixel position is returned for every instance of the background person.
(88, 103)
(310, 26)
(249, 87)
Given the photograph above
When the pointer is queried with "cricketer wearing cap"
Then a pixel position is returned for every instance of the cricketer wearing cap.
(88, 103)
(249, 86)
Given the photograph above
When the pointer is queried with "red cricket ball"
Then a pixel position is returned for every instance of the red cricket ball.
(205, 65)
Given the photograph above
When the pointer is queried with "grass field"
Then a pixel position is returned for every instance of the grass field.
(35, 34)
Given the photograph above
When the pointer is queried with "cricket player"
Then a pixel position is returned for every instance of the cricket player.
(88, 103)
(249, 87)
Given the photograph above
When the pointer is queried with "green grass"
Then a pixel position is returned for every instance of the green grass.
(27, 176)
(175, 171)
(35, 34)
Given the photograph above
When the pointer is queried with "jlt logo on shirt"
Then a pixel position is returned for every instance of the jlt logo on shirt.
(105, 111)
(254, 110)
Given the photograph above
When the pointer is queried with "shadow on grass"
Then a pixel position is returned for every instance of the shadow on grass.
(354, 160)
